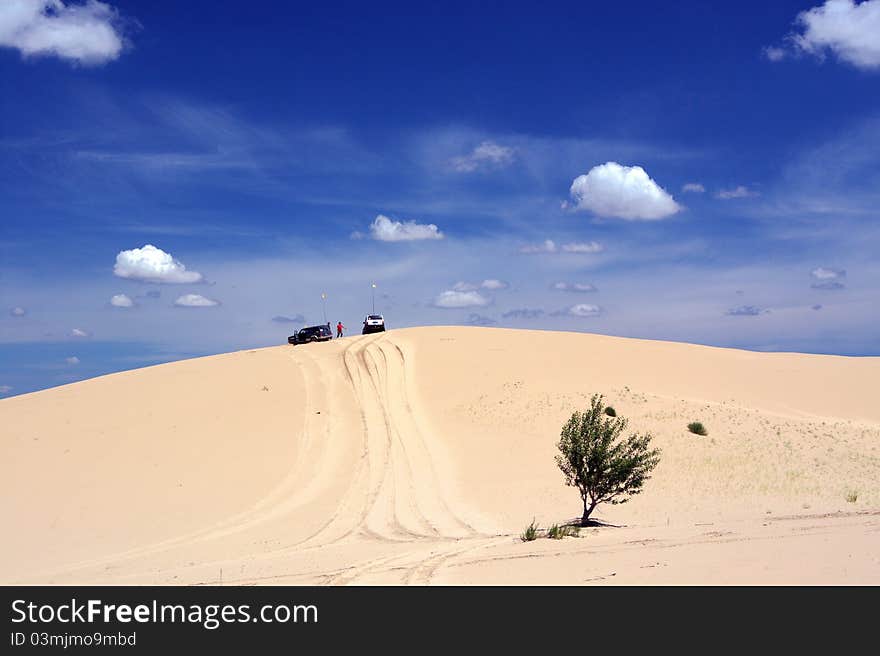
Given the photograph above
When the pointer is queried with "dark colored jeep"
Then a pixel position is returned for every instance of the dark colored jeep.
(311, 334)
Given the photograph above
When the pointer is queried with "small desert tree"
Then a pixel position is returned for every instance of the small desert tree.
(601, 465)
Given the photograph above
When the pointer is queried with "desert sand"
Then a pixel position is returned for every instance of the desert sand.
(419, 455)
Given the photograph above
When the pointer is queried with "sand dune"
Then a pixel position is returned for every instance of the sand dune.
(418, 456)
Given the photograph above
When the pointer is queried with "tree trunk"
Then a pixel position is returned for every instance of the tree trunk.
(585, 519)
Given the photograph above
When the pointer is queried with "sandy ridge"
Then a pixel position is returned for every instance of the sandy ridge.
(417, 457)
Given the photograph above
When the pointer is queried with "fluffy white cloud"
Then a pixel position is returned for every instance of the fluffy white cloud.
(487, 154)
(584, 310)
(5, 389)
(694, 188)
(465, 287)
(17, 312)
(84, 33)
(121, 301)
(849, 29)
(737, 192)
(828, 278)
(385, 229)
(550, 246)
(79, 332)
(454, 299)
(151, 264)
(72, 360)
(195, 300)
(827, 273)
(577, 287)
(622, 192)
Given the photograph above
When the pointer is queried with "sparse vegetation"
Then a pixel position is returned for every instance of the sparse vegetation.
(610, 411)
(601, 465)
(852, 496)
(557, 532)
(697, 428)
(531, 532)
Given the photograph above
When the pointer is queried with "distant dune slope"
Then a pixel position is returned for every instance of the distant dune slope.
(418, 455)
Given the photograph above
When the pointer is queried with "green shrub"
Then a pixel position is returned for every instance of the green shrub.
(602, 465)
(697, 428)
(852, 496)
(610, 411)
(531, 532)
(558, 532)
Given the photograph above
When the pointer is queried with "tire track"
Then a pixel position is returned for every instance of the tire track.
(407, 424)
(358, 424)
(243, 520)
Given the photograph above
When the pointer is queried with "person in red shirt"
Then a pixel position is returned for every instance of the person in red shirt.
(339, 329)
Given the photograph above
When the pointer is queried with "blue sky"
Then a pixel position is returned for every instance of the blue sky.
(683, 171)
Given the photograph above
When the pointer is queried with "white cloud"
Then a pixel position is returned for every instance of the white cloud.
(17, 312)
(195, 300)
(79, 332)
(774, 54)
(121, 301)
(453, 299)
(737, 192)
(487, 154)
(583, 247)
(584, 310)
(623, 192)
(828, 278)
(746, 311)
(550, 246)
(577, 287)
(84, 33)
(491, 284)
(848, 29)
(827, 273)
(72, 360)
(151, 264)
(5, 389)
(694, 188)
(384, 229)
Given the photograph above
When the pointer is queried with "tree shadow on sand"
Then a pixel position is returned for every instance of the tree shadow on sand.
(592, 523)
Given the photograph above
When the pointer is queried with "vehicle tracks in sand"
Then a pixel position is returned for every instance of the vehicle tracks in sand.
(363, 455)
(395, 493)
